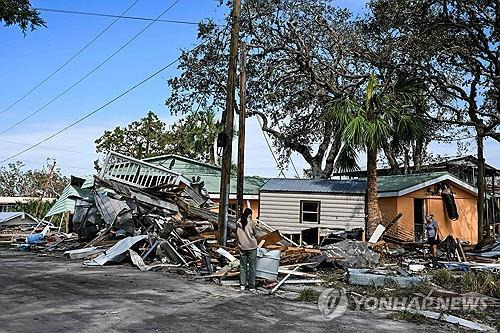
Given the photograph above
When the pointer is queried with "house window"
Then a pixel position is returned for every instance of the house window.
(309, 211)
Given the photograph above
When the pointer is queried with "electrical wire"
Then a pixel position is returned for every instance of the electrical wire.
(51, 10)
(89, 73)
(93, 112)
(270, 148)
(69, 60)
(59, 165)
(294, 168)
(51, 148)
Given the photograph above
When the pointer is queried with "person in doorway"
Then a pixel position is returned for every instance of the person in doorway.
(245, 230)
(432, 233)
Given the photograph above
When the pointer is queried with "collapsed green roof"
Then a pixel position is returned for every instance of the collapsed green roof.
(208, 173)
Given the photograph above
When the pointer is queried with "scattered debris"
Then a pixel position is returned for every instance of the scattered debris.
(158, 220)
(366, 277)
(348, 253)
(453, 320)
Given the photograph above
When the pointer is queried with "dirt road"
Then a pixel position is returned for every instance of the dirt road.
(46, 294)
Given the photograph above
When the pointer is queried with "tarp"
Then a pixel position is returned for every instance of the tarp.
(64, 203)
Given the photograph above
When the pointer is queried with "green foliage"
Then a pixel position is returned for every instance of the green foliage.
(384, 114)
(144, 138)
(308, 295)
(408, 316)
(299, 60)
(452, 47)
(21, 13)
(303, 57)
(193, 136)
(16, 182)
(485, 283)
(30, 207)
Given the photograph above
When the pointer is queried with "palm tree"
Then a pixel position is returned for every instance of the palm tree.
(386, 113)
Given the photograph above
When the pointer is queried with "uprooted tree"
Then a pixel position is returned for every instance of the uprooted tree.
(302, 55)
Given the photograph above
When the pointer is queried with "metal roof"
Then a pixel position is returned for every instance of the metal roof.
(400, 182)
(208, 173)
(5, 216)
(64, 203)
(399, 185)
(351, 186)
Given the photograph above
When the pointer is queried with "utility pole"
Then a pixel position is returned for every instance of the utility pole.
(241, 131)
(480, 185)
(228, 123)
(45, 187)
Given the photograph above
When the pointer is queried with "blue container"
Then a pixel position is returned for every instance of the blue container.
(34, 238)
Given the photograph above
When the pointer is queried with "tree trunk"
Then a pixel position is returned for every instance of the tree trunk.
(481, 185)
(212, 154)
(391, 158)
(418, 155)
(373, 215)
(406, 161)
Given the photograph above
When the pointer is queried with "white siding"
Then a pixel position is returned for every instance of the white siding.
(281, 210)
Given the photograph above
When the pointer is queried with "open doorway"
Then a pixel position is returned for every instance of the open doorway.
(418, 219)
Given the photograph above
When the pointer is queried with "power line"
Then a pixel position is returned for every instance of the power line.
(93, 112)
(294, 168)
(270, 148)
(110, 15)
(89, 73)
(69, 60)
(51, 148)
(60, 165)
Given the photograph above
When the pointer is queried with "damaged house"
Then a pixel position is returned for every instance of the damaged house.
(292, 205)
(210, 176)
(452, 201)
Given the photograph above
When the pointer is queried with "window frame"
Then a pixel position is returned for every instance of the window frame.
(318, 212)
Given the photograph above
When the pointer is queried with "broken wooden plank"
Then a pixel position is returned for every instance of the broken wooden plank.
(226, 254)
(296, 273)
(377, 234)
(270, 238)
(283, 280)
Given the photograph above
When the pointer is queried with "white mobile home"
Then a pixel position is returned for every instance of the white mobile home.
(292, 205)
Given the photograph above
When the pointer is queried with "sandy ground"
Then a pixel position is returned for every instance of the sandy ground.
(48, 294)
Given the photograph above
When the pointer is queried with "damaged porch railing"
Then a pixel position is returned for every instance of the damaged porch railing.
(137, 173)
(140, 174)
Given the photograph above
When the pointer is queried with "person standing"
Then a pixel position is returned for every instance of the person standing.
(432, 233)
(245, 230)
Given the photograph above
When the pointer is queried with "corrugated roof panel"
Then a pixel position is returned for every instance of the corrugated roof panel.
(9, 215)
(64, 203)
(351, 186)
(397, 183)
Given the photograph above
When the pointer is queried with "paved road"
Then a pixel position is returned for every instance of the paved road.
(46, 294)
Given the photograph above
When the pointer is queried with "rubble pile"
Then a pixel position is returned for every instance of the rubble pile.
(155, 219)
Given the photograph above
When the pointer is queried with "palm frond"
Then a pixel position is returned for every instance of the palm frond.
(347, 159)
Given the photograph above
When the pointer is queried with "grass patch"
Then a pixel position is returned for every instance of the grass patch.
(391, 289)
(480, 282)
(407, 316)
(308, 295)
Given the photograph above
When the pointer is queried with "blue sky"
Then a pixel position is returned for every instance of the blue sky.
(28, 60)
